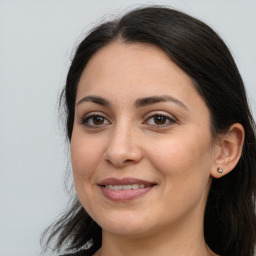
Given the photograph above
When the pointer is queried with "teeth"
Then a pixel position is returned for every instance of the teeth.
(125, 187)
(136, 186)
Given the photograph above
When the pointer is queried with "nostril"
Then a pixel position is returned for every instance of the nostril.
(128, 161)
(119, 163)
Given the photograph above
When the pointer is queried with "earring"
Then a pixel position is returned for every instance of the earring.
(219, 170)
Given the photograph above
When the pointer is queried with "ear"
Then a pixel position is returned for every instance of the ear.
(228, 150)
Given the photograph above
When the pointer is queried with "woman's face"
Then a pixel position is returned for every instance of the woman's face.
(141, 146)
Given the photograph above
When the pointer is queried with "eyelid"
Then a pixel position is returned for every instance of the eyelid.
(161, 113)
(170, 117)
(89, 115)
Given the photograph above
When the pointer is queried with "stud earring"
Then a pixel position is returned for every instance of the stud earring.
(220, 170)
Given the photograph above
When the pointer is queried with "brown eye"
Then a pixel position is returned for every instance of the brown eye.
(160, 120)
(98, 120)
(95, 121)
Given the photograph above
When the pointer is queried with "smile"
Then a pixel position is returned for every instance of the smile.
(125, 187)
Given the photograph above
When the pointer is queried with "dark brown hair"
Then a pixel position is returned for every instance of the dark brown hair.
(230, 221)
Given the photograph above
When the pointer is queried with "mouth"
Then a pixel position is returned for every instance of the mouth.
(125, 189)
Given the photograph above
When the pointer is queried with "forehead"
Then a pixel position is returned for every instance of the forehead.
(131, 62)
(123, 69)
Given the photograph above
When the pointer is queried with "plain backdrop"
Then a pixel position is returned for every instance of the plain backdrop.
(36, 43)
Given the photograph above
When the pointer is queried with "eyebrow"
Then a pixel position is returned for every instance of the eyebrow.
(141, 102)
(156, 99)
(95, 99)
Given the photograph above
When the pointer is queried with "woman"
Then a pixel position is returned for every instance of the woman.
(162, 142)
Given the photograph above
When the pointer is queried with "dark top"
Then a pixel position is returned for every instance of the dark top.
(79, 253)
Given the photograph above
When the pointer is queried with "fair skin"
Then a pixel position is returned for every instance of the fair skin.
(139, 117)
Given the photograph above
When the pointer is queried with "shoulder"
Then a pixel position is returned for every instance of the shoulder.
(79, 253)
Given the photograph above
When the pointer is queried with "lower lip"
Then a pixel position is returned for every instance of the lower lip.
(124, 195)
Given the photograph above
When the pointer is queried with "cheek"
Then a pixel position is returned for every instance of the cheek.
(84, 159)
(84, 165)
(185, 169)
(183, 160)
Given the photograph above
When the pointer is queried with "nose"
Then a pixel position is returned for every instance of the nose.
(123, 147)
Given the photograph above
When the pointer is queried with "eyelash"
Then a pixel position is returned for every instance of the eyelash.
(167, 118)
(90, 117)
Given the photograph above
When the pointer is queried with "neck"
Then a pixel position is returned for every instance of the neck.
(176, 242)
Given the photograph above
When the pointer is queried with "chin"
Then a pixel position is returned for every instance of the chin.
(125, 226)
(126, 231)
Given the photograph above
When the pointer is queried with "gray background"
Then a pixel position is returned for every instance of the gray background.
(36, 43)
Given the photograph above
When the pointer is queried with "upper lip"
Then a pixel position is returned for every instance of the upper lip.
(124, 181)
